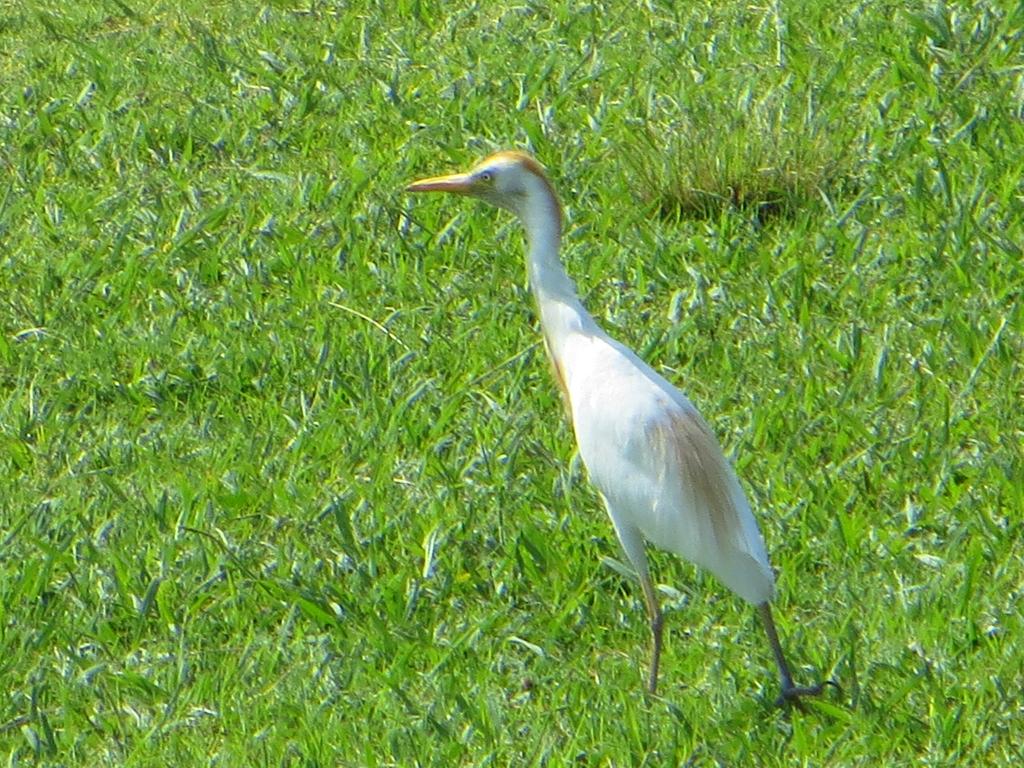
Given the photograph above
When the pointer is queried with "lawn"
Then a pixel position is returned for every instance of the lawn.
(287, 481)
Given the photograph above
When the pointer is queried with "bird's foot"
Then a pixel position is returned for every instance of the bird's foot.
(792, 694)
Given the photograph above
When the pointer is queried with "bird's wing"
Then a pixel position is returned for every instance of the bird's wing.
(700, 509)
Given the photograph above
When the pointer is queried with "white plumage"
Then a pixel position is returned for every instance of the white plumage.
(653, 458)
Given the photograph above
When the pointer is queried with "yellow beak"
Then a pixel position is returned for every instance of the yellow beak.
(459, 183)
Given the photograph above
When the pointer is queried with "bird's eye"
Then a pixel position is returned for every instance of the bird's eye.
(487, 177)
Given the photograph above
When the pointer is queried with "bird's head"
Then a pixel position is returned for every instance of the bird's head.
(509, 179)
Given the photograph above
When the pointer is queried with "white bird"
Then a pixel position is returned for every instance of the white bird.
(654, 460)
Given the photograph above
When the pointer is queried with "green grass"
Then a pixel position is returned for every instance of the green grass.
(287, 482)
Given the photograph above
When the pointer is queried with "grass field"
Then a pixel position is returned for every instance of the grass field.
(286, 479)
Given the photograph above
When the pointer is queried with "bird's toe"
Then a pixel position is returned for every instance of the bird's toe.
(792, 694)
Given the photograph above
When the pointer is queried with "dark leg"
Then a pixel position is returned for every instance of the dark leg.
(654, 612)
(633, 545)
(790, 692)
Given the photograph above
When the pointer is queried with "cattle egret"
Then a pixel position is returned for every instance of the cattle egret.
(654, 460)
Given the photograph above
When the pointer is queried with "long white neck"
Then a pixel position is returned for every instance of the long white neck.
(561, 312)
